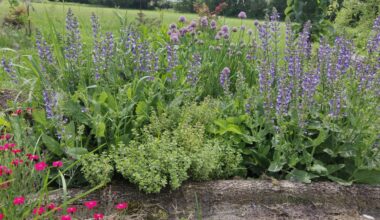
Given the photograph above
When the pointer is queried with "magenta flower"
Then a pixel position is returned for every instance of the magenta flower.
(65, 217)
(98, 216)
(40, 166)
(39, 211)
(121, 206)
(71, 209)
(242, 15)
(19, 200)
(1, 216)
(57, 163)
(91, 204)
(32, 157)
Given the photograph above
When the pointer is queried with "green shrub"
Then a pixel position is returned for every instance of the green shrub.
(355, 19)
(97, 168)
(174, 147)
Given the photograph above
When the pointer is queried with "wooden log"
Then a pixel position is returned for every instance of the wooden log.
(251, 199)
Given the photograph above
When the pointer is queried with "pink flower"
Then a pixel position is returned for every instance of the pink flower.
(16, 162)
(5, 170)
(18, 200)
(40, 166)
(51, 206)
(98, 216)
(1, 216)
(57, 163)
(65, 217)
(91, 204)
(16, 151)
(39, 211)
(9, 145)
(71, 209)
(5, 137)
(122, 206)
(32, 157)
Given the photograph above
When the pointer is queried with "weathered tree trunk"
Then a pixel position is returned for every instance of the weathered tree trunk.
(251, 199)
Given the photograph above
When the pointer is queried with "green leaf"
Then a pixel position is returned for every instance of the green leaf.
(234, 129)
(300, 176)
(100, 129)
(317, 168)
(339, 180)
(102, 97)
(76, 152)
(70, 133)
(323, 134)
(276, 166)
(368, 176)
(4, 122)
(333, 168)
(52, 145)
(142, 109)
(39, 117)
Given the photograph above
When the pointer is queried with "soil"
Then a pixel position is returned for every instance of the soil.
(245, 199)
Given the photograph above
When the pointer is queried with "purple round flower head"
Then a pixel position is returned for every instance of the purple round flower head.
(213, 24)
(226, 35)
(217, 36)
(183, 31)
(193, 24)
(242, 15)
(234, 29)
(250, 32)
(256, 23)
(173, 26)
(226, 71)
(169, 33)
(174, 37)
(182, 19)
(242, 28)
(224, 29)
(204, 21)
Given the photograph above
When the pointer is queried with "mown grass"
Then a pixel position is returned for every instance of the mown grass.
(43, 13)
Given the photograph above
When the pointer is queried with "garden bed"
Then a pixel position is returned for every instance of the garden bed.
(247, 199)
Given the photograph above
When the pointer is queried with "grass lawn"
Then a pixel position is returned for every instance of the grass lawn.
(56, 12)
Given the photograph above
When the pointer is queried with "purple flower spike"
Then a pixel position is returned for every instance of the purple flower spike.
(224, 79)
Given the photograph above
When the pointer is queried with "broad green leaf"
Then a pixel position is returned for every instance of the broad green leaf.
(300, 176)
(52, 145)
(368, 176)
(234, 129)
(4, 122)
(321, 137)
(76, 152)
(317, 168)
(339, 180)
(276, 166)
(39, 117)
(102, 97)
(334, 167)
(100, 129)
(142, 109)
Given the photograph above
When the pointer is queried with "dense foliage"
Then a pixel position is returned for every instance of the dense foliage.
(202, 100)
(355, 19)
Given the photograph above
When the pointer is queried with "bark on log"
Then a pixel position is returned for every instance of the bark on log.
(253, 199)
